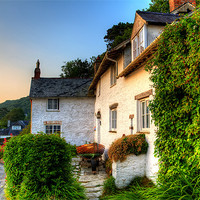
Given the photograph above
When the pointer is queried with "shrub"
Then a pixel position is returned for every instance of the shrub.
(108, 166)
(109, 186)
(131, 144)
(26, 130)
(38, 167)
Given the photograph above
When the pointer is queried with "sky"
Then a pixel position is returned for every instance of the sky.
(53, 32)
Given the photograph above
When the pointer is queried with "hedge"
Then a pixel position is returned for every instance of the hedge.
(39, 167)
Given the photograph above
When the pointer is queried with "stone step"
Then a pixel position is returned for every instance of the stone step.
(93, 195)
(94, 189)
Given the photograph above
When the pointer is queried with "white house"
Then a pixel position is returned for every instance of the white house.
(123, 88)
(63, 106)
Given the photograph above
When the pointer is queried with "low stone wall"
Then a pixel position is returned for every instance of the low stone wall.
(124, 172)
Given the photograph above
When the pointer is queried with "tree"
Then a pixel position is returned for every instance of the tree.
(78, 69)
(14, 115)
(161, 6)
(117, 34)
(3, 112)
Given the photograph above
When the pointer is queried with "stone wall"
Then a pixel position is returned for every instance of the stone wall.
(124, 172)
(76, 116)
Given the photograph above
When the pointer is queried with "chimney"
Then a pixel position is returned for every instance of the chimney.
(37, 70)
(97, 64)
(174, 4)
(8, 124)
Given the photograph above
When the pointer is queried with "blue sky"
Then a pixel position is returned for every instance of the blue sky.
(54, 32)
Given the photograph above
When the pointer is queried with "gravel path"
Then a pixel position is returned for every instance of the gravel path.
(2, 181)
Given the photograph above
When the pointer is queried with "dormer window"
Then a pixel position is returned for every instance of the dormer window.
(139, 43)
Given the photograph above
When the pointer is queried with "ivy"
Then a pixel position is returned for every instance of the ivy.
(175, 69)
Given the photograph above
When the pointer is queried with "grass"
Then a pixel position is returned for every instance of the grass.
(182, 188)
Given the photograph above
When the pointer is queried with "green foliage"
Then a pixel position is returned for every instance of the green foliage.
(137, 190)
(26, 130)
(185, 188)
(109, 187)
(38, 167)
(161, 6)
(131, 144)
(23, 103)
(3, 112)
(117, 34)
(78, 69)
(14, 115)
(176, 105)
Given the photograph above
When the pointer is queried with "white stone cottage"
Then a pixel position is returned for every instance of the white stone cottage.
(123, 88)
(64, 106)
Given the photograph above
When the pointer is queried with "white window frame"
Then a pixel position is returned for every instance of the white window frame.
(139, 42)
(113, 75)
(54, 105)
(52, 128)
(113, 118)
(143, 116)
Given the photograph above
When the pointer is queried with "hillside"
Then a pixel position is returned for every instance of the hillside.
(23, 103)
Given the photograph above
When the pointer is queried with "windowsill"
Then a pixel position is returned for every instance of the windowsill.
(52, 110)
(112, 131)
(143, 132)
(113, 85)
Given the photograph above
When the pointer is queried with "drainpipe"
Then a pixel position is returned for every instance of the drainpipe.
(112, 60)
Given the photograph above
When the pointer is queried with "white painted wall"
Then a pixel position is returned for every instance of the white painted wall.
(124, 93)
(153, 32)
(124, 172)
(76, 115)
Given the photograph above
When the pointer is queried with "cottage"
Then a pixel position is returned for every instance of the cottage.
(123, 88)
(64, 106)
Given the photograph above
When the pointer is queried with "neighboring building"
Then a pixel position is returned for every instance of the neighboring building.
(60, 105)
(123, 88)
(14, 128)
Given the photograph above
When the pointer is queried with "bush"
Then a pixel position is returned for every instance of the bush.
(38, 167)
(108, 165)
(109, 186)
(131, 144)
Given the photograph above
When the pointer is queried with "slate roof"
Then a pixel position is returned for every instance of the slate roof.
(59, 87)
(158, 18)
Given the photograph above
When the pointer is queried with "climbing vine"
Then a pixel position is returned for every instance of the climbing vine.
(175, 69)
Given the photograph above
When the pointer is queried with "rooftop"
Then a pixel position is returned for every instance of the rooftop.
(59, 87)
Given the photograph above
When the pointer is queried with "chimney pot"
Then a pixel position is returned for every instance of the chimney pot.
(37, 70)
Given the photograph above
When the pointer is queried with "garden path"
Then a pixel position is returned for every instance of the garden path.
(92, 183)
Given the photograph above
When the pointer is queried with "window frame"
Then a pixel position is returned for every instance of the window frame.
(138, 43)
(113, 117)
(144, 115)
(53, 107)
(53, 128)
(113, 75)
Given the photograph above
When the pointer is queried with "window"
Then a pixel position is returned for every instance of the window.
(16, 128)
(52, 129)
(53, 104)
(113, 117)
(143, 115)
(138, 44)
(113, 77)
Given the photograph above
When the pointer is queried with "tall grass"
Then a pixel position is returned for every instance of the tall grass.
(179, 188)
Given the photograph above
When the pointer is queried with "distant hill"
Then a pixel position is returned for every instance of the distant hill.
(23, 103)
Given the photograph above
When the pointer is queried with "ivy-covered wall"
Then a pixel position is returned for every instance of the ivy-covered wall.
(175, 70)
